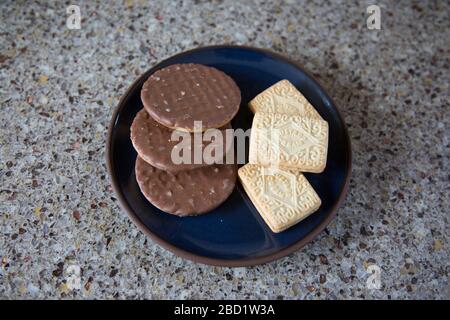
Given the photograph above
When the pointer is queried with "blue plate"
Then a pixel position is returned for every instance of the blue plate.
(234, 234)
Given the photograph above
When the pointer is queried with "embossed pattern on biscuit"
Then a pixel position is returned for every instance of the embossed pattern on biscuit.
(283, 197)
(289, 141)
(283, 97)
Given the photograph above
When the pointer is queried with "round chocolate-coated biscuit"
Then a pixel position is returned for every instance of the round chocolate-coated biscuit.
(180, 94)
(153, 142)
(186, 193)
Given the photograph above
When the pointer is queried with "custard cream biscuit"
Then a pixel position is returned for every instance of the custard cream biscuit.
(283, 97)
(289, 141)
(283, 197)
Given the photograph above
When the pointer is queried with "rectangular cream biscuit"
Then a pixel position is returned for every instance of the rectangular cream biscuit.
(289, 141)
(283, 97)
(283, 197)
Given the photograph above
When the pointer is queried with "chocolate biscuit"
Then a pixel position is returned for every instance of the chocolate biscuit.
(186, 193)
(180, 94)
(153, 142)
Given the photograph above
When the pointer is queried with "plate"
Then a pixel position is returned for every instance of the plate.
(234, 234)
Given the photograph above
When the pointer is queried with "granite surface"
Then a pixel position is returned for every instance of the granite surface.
(60, 222)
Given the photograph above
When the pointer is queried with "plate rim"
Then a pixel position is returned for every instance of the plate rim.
(217, 261)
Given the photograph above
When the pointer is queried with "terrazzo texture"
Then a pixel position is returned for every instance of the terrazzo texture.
(58, 89)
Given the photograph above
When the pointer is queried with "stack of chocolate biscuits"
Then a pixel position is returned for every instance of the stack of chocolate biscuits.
(180, 102)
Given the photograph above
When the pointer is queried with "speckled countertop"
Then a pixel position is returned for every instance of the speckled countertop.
(58, 89)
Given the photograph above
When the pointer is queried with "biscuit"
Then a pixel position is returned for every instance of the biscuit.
(180, 94)
(283, 197)
(283, 97)
(289, 141)
(186, 193)
(153, 142)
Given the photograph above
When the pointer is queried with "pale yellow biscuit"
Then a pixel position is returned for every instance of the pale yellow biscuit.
(283, 197)
(289, 141)
(283, 97)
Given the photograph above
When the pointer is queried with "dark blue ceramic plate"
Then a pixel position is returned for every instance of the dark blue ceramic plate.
(233, 234)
